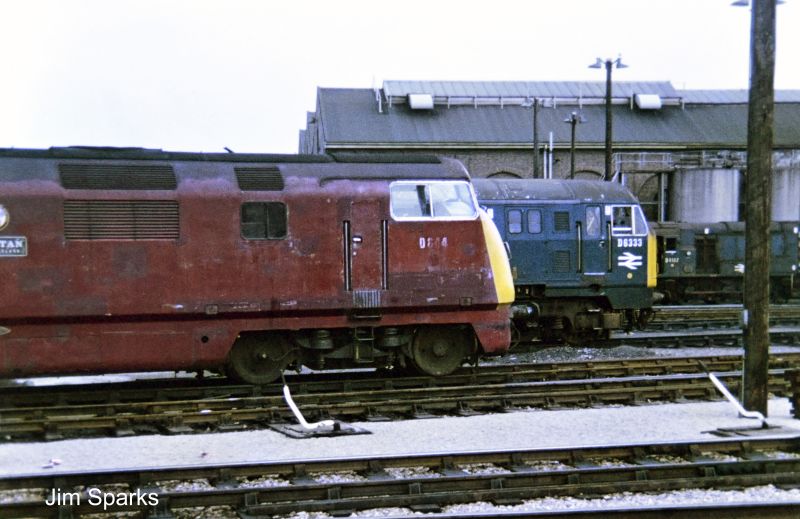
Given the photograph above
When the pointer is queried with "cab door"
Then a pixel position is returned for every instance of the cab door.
(593, 241)
(365, 248)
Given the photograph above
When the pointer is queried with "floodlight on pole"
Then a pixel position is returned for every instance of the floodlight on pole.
(746, 3)
(534, 103)
(573, 119)
(608, 64)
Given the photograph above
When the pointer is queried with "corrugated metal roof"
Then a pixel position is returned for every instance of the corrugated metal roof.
(498, 89)
(350, 118)
(733, 96)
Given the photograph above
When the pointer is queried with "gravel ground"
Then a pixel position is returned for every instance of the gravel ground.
(764, 494)
(567, 353)
(527, 429)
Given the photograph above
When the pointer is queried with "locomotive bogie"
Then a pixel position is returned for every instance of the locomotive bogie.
(146, 260)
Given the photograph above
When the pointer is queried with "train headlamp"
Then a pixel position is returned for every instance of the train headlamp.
(4, 217)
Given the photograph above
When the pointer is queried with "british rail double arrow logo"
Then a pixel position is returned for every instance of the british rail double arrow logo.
(629, 261)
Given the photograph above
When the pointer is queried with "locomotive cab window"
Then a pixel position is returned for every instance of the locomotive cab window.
(627, 220)
(593, 222)
(534, 221)
(434, 200)
(514, 221)
(263, 220)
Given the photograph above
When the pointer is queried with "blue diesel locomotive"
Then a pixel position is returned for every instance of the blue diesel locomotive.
(704, 263)
(582, 256)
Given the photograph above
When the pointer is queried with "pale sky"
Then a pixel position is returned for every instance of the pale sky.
(201, 75)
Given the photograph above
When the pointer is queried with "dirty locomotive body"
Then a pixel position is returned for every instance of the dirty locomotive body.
(704, 262)
(118, 260)
(582, 256)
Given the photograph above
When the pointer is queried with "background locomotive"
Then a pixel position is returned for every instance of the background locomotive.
(582, 257)
(117, 260)
(701, 243)
(705, 262)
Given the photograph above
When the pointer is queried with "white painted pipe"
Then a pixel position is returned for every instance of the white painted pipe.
(732, 399)
(302, 421)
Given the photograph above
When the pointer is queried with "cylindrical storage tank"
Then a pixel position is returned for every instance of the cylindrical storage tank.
(786, 186)
(704, 195)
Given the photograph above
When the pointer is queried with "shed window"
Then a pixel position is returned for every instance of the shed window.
(264, 220)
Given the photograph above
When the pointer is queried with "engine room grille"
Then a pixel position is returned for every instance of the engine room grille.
(561, 221)
(126, 176)
(259, 179)
(561, 261)
(121, 220)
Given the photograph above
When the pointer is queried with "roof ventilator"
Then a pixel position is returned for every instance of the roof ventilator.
(420, 101)
(648, 101)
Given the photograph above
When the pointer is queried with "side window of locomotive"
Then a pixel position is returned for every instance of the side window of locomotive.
(410, 200)
(452, 199)
(639, 222)
(514, 221)
(534, 221)
(593, 222)
(432, 200)
(263, 220)
(778, 245)
(622, 220)
(628, 220)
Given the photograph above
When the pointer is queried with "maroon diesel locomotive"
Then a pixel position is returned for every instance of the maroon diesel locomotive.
(120, 260)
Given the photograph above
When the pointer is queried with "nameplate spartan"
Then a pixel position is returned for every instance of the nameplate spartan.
(13, 246)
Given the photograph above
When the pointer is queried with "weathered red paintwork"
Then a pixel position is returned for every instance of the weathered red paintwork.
(94, 306)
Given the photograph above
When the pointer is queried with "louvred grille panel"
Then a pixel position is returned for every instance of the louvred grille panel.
(560, 261)
(121, 220)
(259, 179)
(561, 221)
(105, 176)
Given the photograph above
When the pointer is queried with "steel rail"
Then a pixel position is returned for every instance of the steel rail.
(178, 416)
(189, 389)
(788, 510)
(707, 316)
(519, 475)
(705, 338)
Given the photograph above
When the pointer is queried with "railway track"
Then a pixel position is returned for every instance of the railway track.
(681, 317)
(423, 482)
(29, 412)
(710, 337)
(147, 390)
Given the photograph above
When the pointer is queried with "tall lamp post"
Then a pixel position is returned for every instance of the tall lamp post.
(608, 64)
(573, 119)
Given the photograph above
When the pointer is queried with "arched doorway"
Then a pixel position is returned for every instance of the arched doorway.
(504, 174)
(588, 174)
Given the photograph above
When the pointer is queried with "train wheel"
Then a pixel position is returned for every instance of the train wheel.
(439, 350)
(575, 338)
(259, 358)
